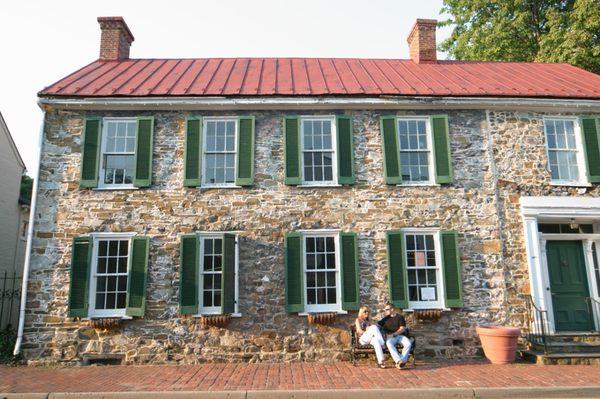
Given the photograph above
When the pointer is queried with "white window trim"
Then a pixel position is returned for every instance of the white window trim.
(205, 120)
(216, 310)
(441, 302)
(101, 166)
(431, 151)
(92, 311)
(580, 149)
(334, 307)
(334, 165)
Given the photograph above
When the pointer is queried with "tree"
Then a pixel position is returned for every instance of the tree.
(525, 30)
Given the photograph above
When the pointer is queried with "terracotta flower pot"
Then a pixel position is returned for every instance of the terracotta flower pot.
(499, 343)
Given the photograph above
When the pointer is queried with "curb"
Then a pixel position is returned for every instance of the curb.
(419, 393)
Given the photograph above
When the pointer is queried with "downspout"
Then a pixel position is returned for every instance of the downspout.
(27, 261)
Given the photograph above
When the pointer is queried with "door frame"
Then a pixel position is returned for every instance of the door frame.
(558, 210)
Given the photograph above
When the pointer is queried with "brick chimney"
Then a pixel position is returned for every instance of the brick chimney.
(421, 41)
(116, 39)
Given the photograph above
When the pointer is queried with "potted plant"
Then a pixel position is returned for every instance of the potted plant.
(499, 343)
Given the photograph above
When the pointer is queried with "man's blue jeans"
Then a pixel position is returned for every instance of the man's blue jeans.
(391, 343)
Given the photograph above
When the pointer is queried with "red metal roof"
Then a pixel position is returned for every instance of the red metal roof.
(324, 76)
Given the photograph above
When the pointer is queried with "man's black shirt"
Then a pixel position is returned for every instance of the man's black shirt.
(391, 324)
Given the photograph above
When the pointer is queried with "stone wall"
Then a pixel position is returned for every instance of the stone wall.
(482, 208)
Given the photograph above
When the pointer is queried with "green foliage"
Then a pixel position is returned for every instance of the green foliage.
(26, 188)
(525, 30)
(8, 337)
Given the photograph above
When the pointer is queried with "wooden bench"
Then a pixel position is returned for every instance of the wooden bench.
(358, 349)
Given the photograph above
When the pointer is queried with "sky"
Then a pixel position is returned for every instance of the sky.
(44, 41)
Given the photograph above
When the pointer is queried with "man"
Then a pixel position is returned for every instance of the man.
(394, 325)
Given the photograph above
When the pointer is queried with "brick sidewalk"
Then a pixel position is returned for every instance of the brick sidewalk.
(295, 376)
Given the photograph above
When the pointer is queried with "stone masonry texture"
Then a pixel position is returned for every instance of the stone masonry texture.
(496, 158)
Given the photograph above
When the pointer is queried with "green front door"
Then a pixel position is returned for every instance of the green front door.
(568, 285)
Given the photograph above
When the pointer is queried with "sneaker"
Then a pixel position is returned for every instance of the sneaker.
(381, 365)
(400, 365)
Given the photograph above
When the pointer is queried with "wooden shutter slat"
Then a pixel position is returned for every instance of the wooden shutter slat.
(396, 269)
(229, 277)
(137, 279)
(143, 151)
(81, 255)
(291, 134)
(245, 168)
(591, 139)
(294, 288)
(90, 153)
(452, 269)
(350, 271)
(345, 151)
(441, 149)
(193, 152)
(391, 154)
(188, 274)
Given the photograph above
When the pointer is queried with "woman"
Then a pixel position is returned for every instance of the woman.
(369, 334)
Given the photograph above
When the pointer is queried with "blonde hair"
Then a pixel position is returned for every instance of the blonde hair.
(362, 310)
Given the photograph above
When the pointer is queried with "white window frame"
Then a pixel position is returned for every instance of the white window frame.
(92, 311)
(579, 148)
(441, 289)
(333, 307)
(205, 120)
(334, 160)
(430, 147)
(102, 166)
(216, 310)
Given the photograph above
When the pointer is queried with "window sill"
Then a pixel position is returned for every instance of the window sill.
(418, 185)
(323, 311)
(570, 184)
(218, 187)
(319, 185)
(108, 317)
(217, 314)
(412, 310)
(115, 188)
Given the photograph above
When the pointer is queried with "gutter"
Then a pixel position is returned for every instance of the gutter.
(315, 102)
(27, 261)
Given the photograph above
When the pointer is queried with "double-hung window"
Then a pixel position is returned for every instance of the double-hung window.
(319, 166)
(208, 275)
(110, 270)
(416, 150)
(423, 269)
(416, 161)
(117, 161)
(566, 158)
(322, 272)
(219, 152)
(108, 275)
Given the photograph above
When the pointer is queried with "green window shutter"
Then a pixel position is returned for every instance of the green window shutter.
(391, 153)
(590, 131)
(396, 269)
(245, 167)
(441, 149)
(81, 255)
(228, 279)
(193, 152)
(345, 150)
(143, 151)
(291, 134)
(294, 285)
(188, 274)
(350, 271)
(452, 269)
(138, 272)
(90, 153)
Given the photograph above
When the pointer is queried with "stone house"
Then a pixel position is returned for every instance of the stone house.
(194, 210)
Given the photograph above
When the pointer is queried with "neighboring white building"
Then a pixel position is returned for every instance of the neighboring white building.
(14, 215)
